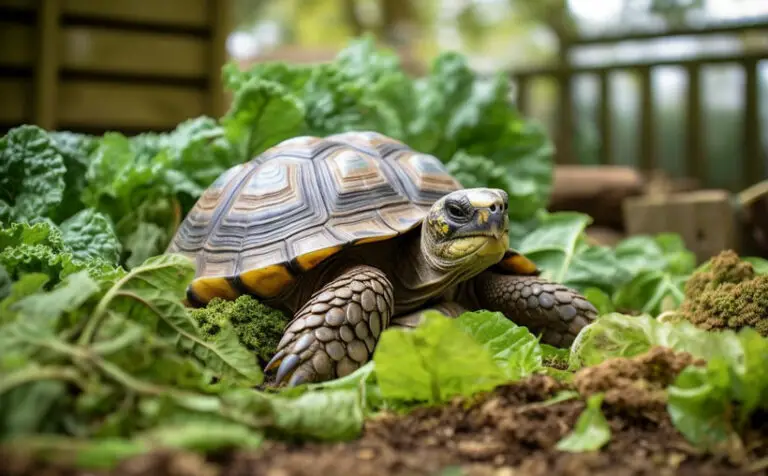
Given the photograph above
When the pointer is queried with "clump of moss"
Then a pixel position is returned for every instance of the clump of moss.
(727, 295)
(258, 326)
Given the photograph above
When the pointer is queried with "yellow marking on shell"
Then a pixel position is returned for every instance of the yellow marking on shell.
(373, 239)
(482, 217)
(310, 260)
(206, 289)
(518, 264)
(267, 282)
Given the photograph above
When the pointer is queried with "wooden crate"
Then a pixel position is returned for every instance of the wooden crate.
(97, 65)
(707, 220)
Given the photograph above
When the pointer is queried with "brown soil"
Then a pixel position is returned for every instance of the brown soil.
(506, 433)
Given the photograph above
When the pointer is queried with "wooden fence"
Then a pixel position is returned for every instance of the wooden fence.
(753, 168)
(96, 65)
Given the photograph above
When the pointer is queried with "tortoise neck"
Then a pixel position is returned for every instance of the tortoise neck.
(421, 276)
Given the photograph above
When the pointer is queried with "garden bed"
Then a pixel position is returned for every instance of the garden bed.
(511, 430)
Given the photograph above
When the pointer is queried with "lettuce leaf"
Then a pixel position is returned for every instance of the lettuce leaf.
(711, 404)
(433, 363)
(591, 432)
(514, 349)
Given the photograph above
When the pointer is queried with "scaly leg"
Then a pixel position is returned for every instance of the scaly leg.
(336, 330)
(542, 306)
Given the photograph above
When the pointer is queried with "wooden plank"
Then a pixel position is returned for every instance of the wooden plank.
(16, 100)
(691, 215)
(753, 169)
(220, 14)
(735, 26)
(623, 65)
(647, 136)
(114, 51)
(99, 104)
(694, 159)
(185, 13)
(604, 122)
(47, 64)
(18, 44)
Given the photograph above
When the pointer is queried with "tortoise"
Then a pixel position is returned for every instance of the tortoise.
(356, 232)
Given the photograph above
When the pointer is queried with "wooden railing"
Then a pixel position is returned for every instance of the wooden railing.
(753, 168)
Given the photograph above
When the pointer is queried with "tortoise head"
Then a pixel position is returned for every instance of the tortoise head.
(467, 228)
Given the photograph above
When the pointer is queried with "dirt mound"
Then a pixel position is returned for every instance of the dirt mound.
(509, 432)
(636, 384)
(727, 295)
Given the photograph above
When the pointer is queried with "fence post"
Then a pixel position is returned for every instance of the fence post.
(47, 63)
(753, 170)
(565, 127)
(604, 118)
(220, 14)
(647, 136)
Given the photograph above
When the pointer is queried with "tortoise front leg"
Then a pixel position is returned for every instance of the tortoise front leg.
(555, 310)
(336, 330)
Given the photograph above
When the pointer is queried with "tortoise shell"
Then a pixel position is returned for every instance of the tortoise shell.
(262, 223)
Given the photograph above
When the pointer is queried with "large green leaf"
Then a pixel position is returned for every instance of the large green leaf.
(513, 347)
(553, 245)
(151, 296)
(263, 113)
(433, 363)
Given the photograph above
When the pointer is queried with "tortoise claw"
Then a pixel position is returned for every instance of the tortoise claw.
(275, 361)
(287, 366)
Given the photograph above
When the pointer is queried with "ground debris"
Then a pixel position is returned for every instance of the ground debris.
(511, 431)
(635, 384)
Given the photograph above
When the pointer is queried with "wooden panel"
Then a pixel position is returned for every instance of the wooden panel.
(691, 215)
(18, 44)
(190, 13)
(16, 100)
(96, 104)
(115, 51)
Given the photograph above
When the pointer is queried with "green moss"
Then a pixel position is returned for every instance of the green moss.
(258, 326)
(727, 295)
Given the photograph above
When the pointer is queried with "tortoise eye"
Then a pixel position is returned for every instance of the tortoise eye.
(456, 212)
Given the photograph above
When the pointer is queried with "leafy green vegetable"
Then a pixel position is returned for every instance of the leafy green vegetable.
(151, 296)
(514, 349)
(89, 234)
(433, 362)
(591, 432)
(40, 248)
(31, 175)
(710, 404)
